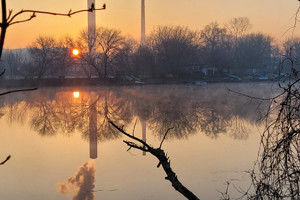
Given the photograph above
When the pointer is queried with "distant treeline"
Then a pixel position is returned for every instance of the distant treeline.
(170, 52)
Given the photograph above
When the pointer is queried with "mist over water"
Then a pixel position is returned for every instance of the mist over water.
(215, 138)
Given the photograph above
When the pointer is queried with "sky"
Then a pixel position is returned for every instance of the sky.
(273, 17)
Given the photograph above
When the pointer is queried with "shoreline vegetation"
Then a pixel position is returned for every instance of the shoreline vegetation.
(59, 82)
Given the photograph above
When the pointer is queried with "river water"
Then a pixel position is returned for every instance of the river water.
(63, 147)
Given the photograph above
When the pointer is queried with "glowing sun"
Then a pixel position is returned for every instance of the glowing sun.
(75, 52)
(76, 94)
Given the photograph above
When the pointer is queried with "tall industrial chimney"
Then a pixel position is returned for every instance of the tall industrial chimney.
(91, 25)
(143, 34)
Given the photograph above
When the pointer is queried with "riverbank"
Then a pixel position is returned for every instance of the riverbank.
(57, 82)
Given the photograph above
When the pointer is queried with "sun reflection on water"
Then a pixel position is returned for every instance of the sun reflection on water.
(76, 94)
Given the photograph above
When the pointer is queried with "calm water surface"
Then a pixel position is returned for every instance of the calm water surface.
(63, 147)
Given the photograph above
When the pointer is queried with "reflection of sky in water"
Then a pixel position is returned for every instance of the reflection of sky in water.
(203, 163)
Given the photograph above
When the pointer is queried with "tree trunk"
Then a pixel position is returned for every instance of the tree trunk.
(4, 26)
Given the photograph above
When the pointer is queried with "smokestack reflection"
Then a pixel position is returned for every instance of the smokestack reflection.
(93, 129)
(143, 122)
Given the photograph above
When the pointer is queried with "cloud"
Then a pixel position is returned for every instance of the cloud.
(81, 184)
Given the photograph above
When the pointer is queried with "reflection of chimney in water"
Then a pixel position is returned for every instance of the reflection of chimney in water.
(144, 132)
(93, 130)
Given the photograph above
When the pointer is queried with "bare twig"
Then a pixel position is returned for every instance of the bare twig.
(164, 137)
(20, 90)
(8, 157)
(3, 72)
(225, 195)
(296, 20)
(253, 97)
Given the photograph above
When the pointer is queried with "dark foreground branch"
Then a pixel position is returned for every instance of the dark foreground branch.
(8, 18)
(20, 90)
(8, 157)
(33, 13)
(163, 160)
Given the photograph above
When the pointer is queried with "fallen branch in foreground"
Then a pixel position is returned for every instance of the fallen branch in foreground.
(163, 161)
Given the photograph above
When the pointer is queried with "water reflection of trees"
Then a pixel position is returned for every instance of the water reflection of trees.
(62, 113)
(210, 110)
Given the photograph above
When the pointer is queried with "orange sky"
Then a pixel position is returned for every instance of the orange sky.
(273, 17)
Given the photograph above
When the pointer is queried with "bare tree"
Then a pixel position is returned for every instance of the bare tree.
(216, 46)
(88, 58)
(277, 171)
(107, 44)
(64, 59)
(43, 51)
(238, 26)
(175, 49)
(123, 62)
(253, 52)
(110, 42)
(143, 61)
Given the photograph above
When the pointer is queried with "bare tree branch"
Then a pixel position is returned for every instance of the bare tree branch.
(2, 73)
(296, 20)
(8, 157)
(164, 137)
(128, 135)
(34, 12)
(9, 20)
(253, 97)
(163, 160)
(20, 90)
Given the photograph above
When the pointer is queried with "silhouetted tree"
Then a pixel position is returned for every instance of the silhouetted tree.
(277, 171)
(43, 51)
(144, 62)
(216, 47)
(291, 48)
(65, 60)
(175, 49)
(123, 60)
(102, 50)
(253, 52)
(237, 27)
